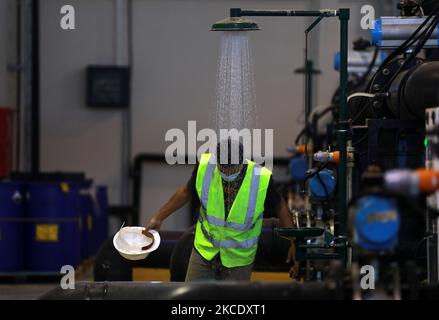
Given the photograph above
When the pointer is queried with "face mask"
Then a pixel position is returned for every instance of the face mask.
(229, 178)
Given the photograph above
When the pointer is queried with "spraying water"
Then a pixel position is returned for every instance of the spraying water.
(235, 95)
(235, 92)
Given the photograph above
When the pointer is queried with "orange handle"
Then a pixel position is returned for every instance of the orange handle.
(428, 180)
(300, 149)
(336, 156)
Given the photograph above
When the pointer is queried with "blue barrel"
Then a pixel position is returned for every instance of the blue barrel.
(53, 230)
(88, 232)
(12, 210)
(101, 216)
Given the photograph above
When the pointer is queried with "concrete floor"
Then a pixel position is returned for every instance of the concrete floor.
(32, 291)
(24, 291)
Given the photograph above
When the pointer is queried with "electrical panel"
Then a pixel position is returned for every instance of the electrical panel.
(108, 86)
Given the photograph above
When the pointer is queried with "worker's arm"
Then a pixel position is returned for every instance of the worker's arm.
(284, 215)
(285, 221)
(175, 202)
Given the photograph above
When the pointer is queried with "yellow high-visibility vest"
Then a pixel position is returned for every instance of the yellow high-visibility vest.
(235, 238)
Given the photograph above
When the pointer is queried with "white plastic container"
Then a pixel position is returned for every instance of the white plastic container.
(129, 242)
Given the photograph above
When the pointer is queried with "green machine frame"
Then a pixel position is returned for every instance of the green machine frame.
(343, 126)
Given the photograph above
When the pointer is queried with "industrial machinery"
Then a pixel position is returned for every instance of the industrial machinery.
(364, 170)
(392, 222)
(386, 229)
(393, 216)
(348, 203)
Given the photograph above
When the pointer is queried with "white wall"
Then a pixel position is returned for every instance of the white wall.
(175, 68)
(175, 59)
(74, 137)
(7, 53)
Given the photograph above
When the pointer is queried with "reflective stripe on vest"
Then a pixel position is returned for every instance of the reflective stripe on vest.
(251, 206)
(228, 243)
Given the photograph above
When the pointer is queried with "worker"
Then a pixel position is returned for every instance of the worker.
(232, 197)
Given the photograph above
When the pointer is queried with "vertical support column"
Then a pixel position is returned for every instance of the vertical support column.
(431, 222)
(35, 110)
(25, 125)
(342, 124)
(309, 69)
(123, 59)
(18, 87)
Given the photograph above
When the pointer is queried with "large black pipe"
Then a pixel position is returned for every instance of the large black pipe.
(193, 291)
(414, 90)
(221, 290)
(35, 109)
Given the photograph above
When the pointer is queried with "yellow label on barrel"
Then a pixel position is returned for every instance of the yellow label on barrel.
(64, 187)
(90, 222)
(46, 232)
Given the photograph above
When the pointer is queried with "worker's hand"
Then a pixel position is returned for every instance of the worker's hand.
(294, 270)
(148, 234)
(153, 223)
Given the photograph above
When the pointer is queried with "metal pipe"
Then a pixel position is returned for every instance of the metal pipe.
(122, 54)
(309, 68)
(197, 290)
(35, 112)
(26, 88)
(350, 167)
(437, 248)
(342, 124)
(18, 62)
(237, 12)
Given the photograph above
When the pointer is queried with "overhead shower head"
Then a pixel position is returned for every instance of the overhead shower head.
(235, 24)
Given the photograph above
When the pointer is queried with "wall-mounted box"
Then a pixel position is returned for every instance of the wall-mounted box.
(108, 86)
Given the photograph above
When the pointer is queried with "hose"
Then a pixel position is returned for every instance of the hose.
(361, 94)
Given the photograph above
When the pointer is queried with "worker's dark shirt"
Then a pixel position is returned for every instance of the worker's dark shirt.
(272, 199)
